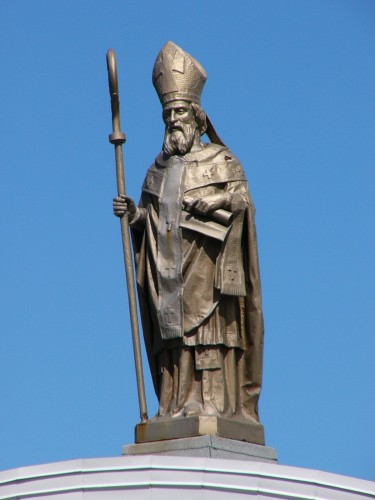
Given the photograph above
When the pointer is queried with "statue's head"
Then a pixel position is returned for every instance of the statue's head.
(179, 79)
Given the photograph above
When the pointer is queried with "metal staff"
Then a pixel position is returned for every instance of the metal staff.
(117, 138)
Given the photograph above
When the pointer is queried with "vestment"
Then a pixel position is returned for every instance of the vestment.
(199, 287)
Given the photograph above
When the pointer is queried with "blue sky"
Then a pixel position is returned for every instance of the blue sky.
(290, 89)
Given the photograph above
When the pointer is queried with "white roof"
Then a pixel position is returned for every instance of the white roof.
(162, 477)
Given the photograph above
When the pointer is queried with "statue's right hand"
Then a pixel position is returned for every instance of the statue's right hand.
(122, 205)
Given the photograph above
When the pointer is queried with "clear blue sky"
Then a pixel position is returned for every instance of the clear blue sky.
(290, 89)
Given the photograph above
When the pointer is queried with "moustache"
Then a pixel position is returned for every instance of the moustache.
(175, 127)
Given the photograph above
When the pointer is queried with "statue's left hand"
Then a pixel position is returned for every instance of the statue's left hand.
(207, 204)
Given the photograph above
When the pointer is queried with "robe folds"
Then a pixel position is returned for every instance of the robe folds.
(199, 286)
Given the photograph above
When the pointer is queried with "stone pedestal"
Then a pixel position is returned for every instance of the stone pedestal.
(205, 446)
(161, 429)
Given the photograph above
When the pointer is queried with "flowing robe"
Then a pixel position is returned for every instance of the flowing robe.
(199, 287)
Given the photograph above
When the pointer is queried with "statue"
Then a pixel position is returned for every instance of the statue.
(196, 259)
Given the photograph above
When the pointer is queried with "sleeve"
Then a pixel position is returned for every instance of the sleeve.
(139, 220)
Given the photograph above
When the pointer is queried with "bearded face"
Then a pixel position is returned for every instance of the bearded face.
(180, 129)
(179, 141)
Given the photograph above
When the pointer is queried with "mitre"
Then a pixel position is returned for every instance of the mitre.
(177, 75)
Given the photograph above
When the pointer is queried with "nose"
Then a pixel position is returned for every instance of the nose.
(172, 116)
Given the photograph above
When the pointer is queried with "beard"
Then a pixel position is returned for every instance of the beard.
(179, 141)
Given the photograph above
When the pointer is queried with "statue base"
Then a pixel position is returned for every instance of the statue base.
(161, 429)
(205, 446)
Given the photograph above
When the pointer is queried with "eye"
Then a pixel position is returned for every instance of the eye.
(180, 111)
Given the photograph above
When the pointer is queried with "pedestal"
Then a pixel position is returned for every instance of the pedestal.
(185, 427)
(205, 446)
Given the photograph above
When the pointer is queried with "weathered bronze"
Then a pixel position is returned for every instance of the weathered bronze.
(117, 138)
(197, 271)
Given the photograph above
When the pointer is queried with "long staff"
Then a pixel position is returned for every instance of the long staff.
(117, 138)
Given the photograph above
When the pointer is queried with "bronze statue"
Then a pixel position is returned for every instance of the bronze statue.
(196, 260)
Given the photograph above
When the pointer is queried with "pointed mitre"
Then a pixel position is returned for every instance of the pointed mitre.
(177, 75)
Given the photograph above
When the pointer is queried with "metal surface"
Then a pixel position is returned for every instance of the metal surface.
(177, 75)
(117, 138)
(197, 271)
(184, 427)
(170, 253)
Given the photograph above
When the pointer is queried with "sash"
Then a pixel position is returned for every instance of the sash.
(169, 259)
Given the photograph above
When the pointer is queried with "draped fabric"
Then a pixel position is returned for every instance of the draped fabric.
(214, 367)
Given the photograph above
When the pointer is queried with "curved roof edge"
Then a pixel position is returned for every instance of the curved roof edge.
(150, 477)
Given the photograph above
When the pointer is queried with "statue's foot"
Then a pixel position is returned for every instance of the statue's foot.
(158, 416)
(210, 410)
(192, 409)
(177, 413)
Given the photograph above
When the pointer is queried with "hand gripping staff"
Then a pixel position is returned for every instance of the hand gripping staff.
(117, 138)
